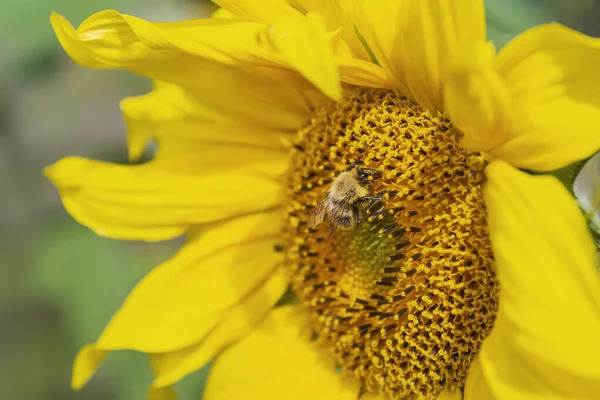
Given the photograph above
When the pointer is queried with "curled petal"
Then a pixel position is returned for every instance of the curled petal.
(145, 202)
(201, 56)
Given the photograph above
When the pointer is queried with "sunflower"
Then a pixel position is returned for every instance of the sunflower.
(257, 110)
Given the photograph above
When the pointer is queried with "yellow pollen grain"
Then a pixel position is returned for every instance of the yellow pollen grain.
(404, 299)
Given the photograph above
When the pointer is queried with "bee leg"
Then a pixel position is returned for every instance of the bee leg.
(368, 202)
(369, 198)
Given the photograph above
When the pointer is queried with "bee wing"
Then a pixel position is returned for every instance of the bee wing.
(340, 210)
(317, 214)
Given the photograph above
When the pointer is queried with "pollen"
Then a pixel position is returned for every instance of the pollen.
(403, 299)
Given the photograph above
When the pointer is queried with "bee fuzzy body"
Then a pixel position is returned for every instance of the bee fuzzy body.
(343, 202)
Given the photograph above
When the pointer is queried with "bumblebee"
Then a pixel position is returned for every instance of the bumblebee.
(345, 199)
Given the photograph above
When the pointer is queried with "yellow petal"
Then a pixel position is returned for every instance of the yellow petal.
(377, 23)
(544, 344)
(86, 363)
(363, 73)
(148, 203)
(162, 393)
(222, 13)
(193, 146)
(110, 37)
(552, 75)
(450, 395)
(360, 72)
(144, 114)
(190, 145)
(413, 40)
(337, 19)
(169, 113)
(477, 99)
(184, 54)
(476, 388)
(278, 361)
(305, 45)
(267, 11)
(239, 322)
(186, 298)
(166, 392)
(203, 156)
(180, 301)
(373, 396)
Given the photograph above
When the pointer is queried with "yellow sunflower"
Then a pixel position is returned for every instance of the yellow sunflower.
(257, 110)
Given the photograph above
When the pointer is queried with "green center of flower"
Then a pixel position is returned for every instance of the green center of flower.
(403, 296)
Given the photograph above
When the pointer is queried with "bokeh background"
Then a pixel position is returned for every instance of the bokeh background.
(59, 283)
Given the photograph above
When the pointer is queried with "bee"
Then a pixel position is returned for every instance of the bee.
(342, 205)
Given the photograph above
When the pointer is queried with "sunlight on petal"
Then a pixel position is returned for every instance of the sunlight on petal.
(239, 322)
(552, 75)
(280, 349)
(413, 40)
(88, 360)
(544, 343)
(144, 202)
(183, 299)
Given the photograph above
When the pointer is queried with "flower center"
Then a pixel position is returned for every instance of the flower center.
(403, 291)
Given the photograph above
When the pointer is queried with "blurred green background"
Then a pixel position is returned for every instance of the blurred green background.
(59, 283)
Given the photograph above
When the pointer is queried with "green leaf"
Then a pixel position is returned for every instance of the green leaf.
(507, 18)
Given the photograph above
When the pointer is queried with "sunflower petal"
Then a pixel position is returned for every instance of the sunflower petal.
(111, 39)
(221, 13)
(239, 322)
(360, 72)
(280, 349)
(476, 388)
(178, 302)
(162, 393)
(216, 276)
(267, 11)
(413, 40)
(142, 114)
(544, 343)
(86, 363)
(477, 99)
(376, 23)
(183, 54)
(551, 73)
(202, 157)
(373, 396)
(168, 114)
(336, 18)
(190, 145)
(450, 395)
(166, 392)
(363, 73)
(305, 45)
(149, 203)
